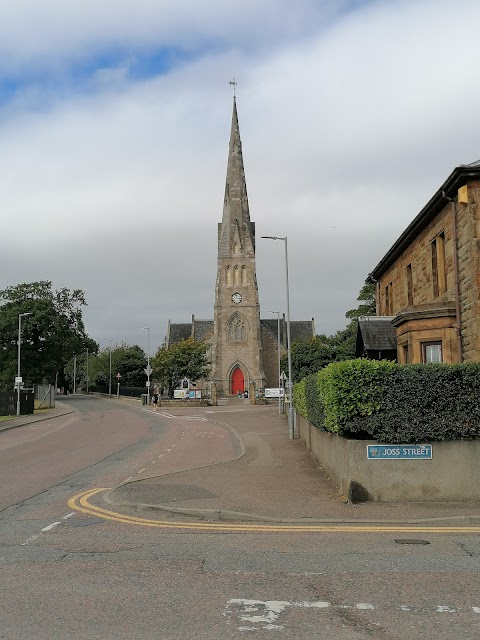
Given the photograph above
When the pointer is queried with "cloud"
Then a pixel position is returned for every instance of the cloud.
(349, 121)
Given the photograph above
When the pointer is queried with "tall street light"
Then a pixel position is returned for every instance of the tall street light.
(87, 379)
(148, 370)
(110, 374)
(278, 349)
(289, 343)
(19, 377)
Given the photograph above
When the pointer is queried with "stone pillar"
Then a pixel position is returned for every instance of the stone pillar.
(213, 395)
(251, 393)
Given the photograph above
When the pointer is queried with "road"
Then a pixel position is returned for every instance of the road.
(65, 574)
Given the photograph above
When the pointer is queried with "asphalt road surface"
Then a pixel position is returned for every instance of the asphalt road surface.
(65, 574)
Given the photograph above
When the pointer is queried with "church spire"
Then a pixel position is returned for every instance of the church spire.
(235, 205)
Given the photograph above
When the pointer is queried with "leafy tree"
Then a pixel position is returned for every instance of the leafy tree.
(309, 357)
(184, 359)
(128, 360)
(50, 335)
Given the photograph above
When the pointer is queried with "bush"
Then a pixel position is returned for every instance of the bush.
(352, 390)
(315, 405)
(395, 403)
(299, 399)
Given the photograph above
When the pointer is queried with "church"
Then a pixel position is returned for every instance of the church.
(243, 347)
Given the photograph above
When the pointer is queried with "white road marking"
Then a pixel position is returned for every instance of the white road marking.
(256, 615)
(170, 417)
(50, 526)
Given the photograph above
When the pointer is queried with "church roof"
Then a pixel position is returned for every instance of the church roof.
(200, 328)
(299, 329)
(179, 332)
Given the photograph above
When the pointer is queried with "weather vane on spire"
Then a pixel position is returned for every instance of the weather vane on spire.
(234, 83)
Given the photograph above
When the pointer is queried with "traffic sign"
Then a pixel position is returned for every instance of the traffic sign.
(148, 383)
(118, 376)
(148, 370)
(18, 379)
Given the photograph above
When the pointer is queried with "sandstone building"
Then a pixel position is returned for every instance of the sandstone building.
(243, 347)
(428, 284)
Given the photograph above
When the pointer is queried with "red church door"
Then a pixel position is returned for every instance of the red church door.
(238, 381)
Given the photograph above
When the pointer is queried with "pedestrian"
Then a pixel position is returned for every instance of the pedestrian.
(155, 400)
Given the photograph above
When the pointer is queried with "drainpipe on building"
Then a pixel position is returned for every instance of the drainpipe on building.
(456, 278)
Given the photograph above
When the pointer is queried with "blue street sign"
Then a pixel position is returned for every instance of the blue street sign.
(399, 452)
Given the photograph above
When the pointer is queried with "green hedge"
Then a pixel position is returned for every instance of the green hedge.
(393, 403)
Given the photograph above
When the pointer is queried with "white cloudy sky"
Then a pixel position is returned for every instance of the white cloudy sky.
(114, 126)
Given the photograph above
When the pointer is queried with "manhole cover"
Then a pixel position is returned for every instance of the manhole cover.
(411, 541)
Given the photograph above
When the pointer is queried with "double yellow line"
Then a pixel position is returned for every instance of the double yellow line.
(81, 503)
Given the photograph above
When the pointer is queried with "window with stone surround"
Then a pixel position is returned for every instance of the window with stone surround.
(409, 285)
(244, 274)
(228, 276)
(237, 328)
(439, 276)
(236, 275)
(431, 352)
(389, 299)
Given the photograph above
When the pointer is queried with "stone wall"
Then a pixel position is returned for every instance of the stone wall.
(452, 475)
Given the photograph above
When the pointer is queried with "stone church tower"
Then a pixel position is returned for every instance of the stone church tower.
(236, 346)
(243, 348)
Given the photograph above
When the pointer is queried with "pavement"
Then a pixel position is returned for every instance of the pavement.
(266, 477)
(59, 410)
(237, 463)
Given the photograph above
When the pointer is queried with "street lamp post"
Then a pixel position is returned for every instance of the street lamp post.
(87, 379)
(289, 343)
(148, 371)
(278, 349)
(110, 370)
(74, 374)
(20, 316)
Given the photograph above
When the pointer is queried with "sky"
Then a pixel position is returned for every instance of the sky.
(114, 127)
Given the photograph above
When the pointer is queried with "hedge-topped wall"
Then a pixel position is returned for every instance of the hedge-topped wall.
(393, 403)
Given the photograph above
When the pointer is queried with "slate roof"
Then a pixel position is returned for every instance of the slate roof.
(375, 333)
(200, 328)
(179, 332)
(460, 176)
(299, 329)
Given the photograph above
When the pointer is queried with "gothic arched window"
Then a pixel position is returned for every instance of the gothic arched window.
(236, 275)
(228, 275)
(237, 328)
(244, 274)
(236, 249)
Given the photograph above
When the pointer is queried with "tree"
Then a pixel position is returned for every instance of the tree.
(128, 360)
(184, 359)
(50, 335)
(309, 357)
